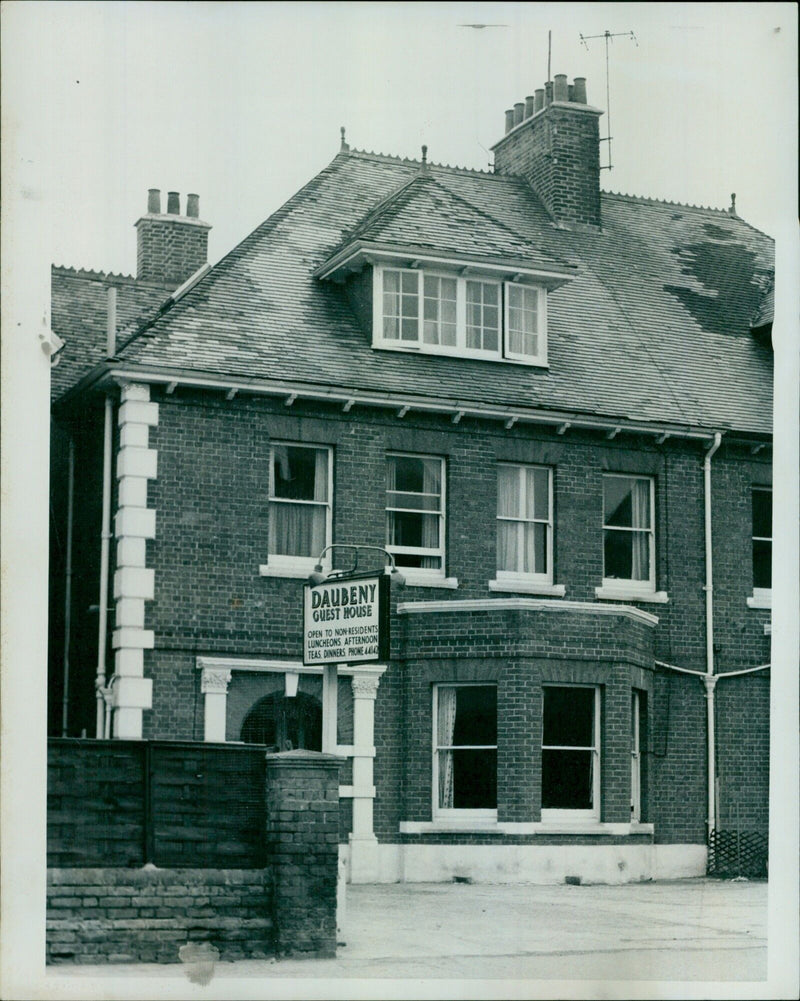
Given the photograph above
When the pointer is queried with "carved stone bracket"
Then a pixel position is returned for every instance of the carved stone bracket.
(365, 686)
(214, 680)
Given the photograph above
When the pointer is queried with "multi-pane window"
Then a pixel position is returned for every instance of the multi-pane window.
(762, 538)
(299, 503)
(424, 310)
(571, 752)
(465, 748)
(415, 511)
(401, 305)
(439, 310)
(524, 521)
(522, 321)
(483, 315)
(628, 532)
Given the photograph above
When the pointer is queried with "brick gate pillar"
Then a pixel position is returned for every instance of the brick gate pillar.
(302, 798)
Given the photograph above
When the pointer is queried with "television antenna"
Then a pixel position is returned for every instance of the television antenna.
(609, 36)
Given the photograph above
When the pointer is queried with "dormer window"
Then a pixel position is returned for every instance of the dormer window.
(467, 315)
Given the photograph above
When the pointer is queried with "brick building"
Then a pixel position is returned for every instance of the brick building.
(550, 404)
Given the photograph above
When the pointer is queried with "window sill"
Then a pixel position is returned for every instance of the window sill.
(425, 349)
(610, 593)
(296, 571)
(761, 599)
(590, 827)
(521, 586)
(423, 580)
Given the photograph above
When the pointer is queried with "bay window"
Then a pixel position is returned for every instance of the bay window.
(628, 532)
(465, 751)
(571, 753)
(469, 316)
(524, 522)
(415, 512)
(299, 504)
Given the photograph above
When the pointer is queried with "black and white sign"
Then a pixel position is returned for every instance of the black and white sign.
(346, 620)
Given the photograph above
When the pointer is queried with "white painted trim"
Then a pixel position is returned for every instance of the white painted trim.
(415, 580)
(594, 827)
(396, 401)
(360, 792)
(518, 585)
(622, 593)
(760, 598)
(354, 751)
(281, 666)
(295, 571)
(523, 604)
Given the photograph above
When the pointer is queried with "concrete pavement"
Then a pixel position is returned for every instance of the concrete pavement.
(688, 930)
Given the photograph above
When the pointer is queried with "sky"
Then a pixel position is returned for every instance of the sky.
(242, 103)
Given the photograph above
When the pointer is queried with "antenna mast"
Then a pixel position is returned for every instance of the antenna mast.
(608, 36)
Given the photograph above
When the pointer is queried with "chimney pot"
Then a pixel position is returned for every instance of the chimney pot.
(560, 91)
(579, 90)
(154, 201)
(173, 203)
(538, 100)
(548, 92)
(529, 106)
(509, 119)
(519, 111)
(193, 206)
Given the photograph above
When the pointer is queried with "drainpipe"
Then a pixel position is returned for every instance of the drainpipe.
(105, 528)
(710, 679)
(68, 586)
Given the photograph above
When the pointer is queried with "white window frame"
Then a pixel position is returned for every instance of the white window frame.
(281, 564)
(762, 596)
(636, 758)
(460, 349)
(415, 574)
(443, 813)
(579, 816)
(541, 325)
(622, 583)
(517, 577)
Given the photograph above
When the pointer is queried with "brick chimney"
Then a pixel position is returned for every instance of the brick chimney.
(170, 247)
(553, 141)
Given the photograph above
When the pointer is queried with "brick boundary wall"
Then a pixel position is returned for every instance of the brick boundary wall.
(303, 848)
(146, 915)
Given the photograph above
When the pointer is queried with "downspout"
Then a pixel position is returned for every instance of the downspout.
(105, 528)
(709, 678)
(68, 586)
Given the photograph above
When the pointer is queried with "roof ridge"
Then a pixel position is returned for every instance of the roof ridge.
(395, 158)
(667, 201)
(91, 273)
(374, 214)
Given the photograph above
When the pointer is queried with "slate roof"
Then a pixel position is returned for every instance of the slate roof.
(425, 214)
(78, 316)
(654, 325)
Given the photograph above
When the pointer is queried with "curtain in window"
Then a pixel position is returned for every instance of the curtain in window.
(445, 727)
(300, 529)
(431, 484)
(640, 504)
(508, 502)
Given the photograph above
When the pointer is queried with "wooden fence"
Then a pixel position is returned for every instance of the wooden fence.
(177, 804)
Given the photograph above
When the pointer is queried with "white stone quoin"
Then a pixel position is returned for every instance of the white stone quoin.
(134, 583)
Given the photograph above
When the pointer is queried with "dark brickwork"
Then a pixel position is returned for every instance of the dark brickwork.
(743, 753)
(558, 153)
(212, 531)
(170, 249)
(125, 916)
(303, 840)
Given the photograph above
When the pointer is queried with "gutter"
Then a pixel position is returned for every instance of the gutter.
(105, 527)
(710, 680)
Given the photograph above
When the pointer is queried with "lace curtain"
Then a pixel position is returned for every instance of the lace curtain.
(445, 726)
(300, 529)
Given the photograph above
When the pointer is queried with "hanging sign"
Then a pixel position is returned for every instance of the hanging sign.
(346, 620)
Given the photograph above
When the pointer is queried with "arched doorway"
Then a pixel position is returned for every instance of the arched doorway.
(285, 724)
